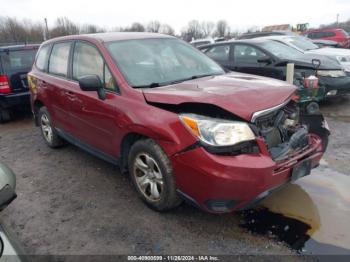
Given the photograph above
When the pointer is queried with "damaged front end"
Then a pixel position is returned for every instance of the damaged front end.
(289, 130)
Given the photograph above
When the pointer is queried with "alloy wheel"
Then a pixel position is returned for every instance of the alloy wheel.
(46, 128)
(148, 176)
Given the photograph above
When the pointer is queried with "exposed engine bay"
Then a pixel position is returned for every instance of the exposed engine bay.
(284, 131)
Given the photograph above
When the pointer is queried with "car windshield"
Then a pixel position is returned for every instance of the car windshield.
(280, 50)
(302, 43)
(156, 62)
(21, 60)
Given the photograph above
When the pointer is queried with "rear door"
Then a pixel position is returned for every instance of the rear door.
(56, 86)
(15, 65)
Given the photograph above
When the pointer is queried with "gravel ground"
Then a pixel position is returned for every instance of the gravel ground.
(70, 202)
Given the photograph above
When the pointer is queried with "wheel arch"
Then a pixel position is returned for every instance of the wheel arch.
(36, 107)
(125, 146)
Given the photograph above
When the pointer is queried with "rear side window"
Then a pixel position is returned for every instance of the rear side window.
(58, 63)
(88, 61)
(14, 61)
(220, 52)
(317, 35)
(41, 60)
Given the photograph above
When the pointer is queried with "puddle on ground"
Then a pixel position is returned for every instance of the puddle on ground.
(311, 215)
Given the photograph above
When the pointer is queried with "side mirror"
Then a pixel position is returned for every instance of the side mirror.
(267, 60)
(7, 186)
(92, 83)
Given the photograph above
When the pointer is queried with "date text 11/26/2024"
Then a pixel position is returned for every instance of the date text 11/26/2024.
(173, 258)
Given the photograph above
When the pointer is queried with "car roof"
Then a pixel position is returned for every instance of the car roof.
(112, 36)
(267, 33)
(18, 47)
(200, 40)
(322, 29)
(243, 41)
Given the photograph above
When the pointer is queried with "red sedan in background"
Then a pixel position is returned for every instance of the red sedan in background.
(334, 34)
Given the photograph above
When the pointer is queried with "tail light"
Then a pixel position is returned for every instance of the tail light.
(296, 98)
(4, 85)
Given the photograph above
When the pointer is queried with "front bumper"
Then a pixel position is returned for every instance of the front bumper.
(225, 183)
(14, 100)
(340, 84)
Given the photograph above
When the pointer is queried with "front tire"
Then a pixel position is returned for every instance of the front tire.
(152, 175)
(48, 132)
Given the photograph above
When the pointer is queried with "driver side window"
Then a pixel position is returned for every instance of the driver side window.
(88, 61)
(247, 54)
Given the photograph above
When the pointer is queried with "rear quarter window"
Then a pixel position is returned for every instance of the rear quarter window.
(20, 60)
(58, 62)
(41, 60)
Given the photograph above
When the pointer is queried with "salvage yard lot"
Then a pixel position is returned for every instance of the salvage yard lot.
(70, 202)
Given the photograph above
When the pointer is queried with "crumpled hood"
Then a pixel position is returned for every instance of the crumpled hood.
(240, 94)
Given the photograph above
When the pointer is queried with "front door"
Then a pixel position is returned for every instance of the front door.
(251, 60)
(93, 119)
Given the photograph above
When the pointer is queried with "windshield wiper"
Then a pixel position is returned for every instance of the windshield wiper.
(152, 85)
(189, 78)
(149, 86)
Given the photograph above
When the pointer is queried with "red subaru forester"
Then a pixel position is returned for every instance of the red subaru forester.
(172, 118)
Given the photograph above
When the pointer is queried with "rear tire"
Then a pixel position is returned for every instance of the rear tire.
(152, 175)
(5, 115)
(51, 138)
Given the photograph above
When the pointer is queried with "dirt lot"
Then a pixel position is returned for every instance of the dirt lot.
(70, 202)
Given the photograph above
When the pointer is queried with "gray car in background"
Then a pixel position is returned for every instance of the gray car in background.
(306, 46)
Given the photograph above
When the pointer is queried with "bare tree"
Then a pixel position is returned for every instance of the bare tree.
(91, 29)
(153, 26)
(64, 26)
(222, 28)
(135, 27)
(344, 25)
(166, 29)
(14, 31)
(207, 28)
(192, 31)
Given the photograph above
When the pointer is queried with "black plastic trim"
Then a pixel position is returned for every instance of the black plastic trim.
(88, 148)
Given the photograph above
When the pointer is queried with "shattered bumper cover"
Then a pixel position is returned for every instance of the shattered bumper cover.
(220, 184)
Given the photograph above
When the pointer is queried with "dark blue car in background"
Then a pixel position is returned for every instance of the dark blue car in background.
(15, 62)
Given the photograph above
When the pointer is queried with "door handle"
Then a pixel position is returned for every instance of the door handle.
(71, 96)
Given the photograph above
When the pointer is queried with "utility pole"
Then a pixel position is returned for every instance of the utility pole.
(46, 30)
(337, 19)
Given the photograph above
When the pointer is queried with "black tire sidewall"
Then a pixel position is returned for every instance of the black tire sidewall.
(169, 197)
(56, 140)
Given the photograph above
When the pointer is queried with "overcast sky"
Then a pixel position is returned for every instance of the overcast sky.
(240, 14)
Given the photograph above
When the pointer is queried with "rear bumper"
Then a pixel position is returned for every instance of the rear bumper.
(14, 100)
(226, 183)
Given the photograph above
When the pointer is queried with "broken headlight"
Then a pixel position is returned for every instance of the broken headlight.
(343, 59)
(217, 132)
